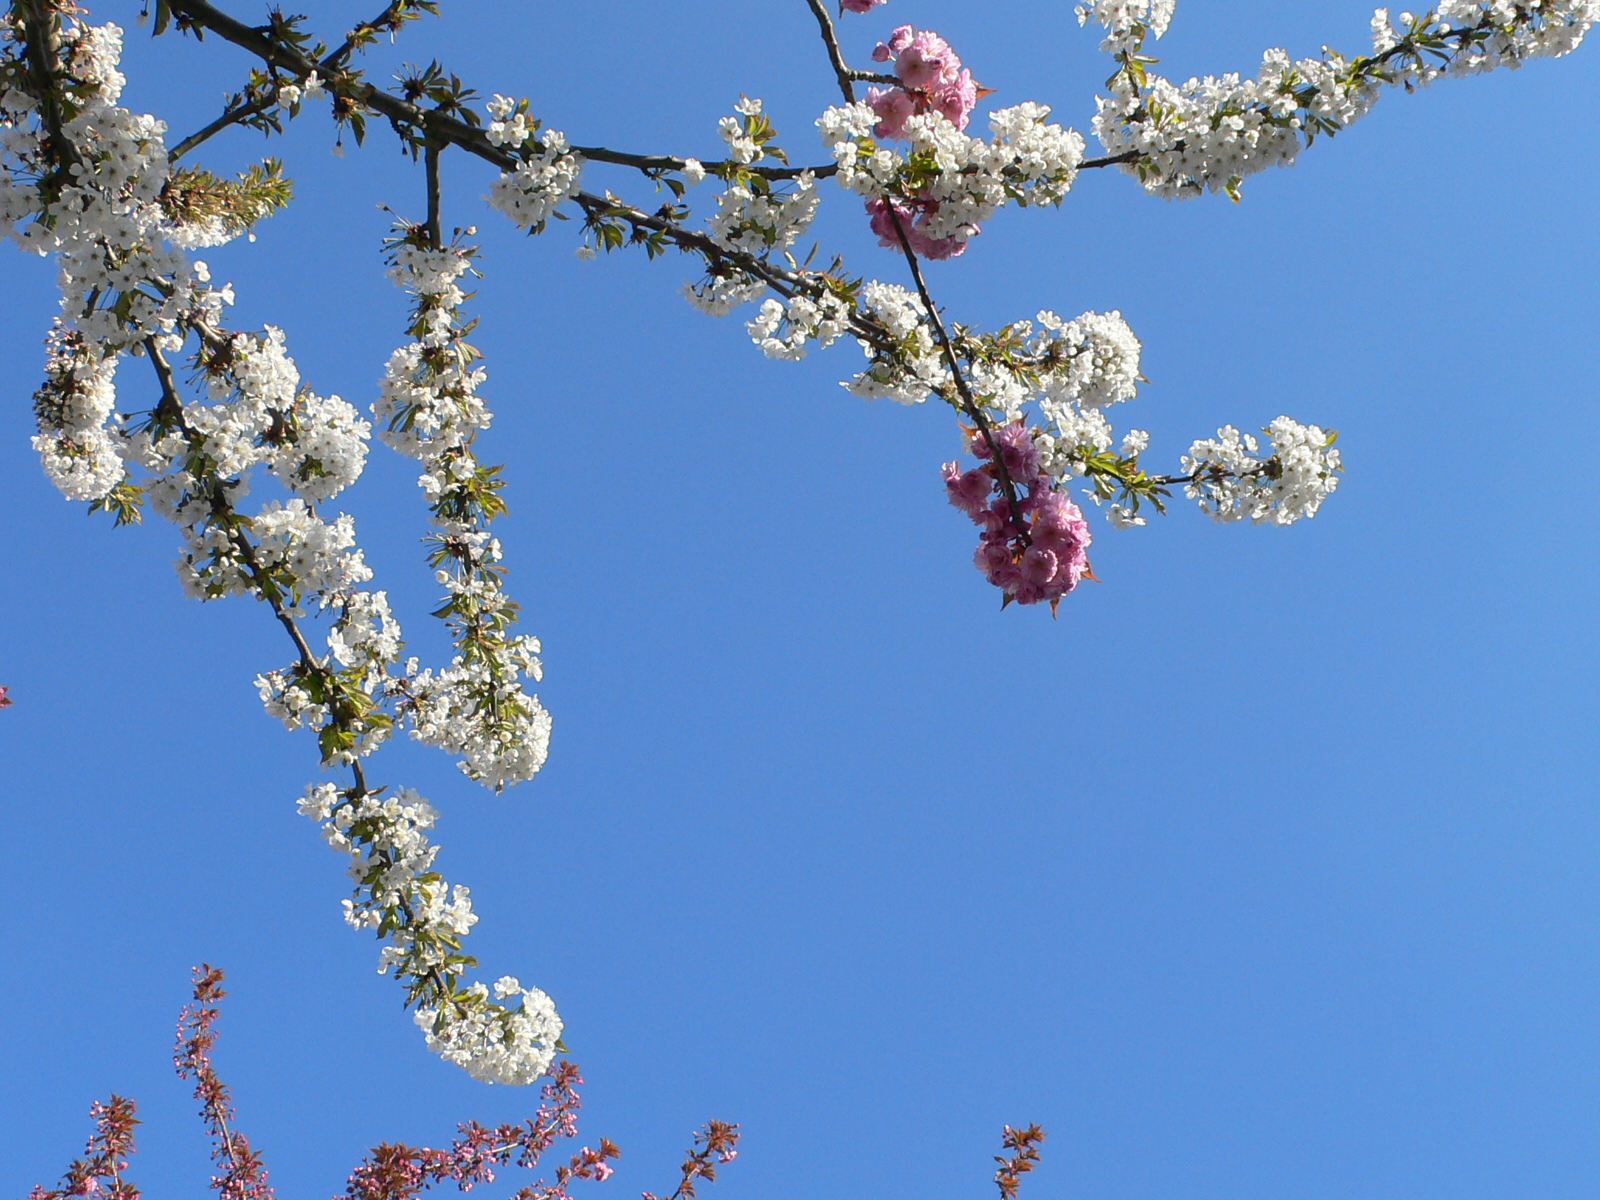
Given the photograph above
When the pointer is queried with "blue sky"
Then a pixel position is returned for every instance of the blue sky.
(1268, 870)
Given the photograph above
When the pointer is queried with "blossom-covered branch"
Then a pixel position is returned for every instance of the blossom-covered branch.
(1210, 133)
(93, 183)
(391, 1171)
(395, 1171)
(99, 1171)
(120, 232)
(243, 1177)
(715, 1144)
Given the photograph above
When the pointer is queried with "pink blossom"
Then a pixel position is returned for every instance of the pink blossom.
(926, 61)
(878, 210)
(1019, 454)
(955, 99)
(932, 79)
(939, 249)
(913, 218)
(894, 108)
(898, 41)
(859, 6)
(969, 490)
(995, 561)
(1037, 551)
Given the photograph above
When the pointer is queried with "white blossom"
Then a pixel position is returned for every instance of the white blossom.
(1234, 482)
(541, 181)
(758, 224)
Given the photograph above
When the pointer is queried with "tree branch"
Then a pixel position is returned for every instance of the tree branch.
(430, 160)
(172, 407)
(402, 113)
(391, 19)
(830, 39)
(43, 41)
(232, 116)
(969, 405)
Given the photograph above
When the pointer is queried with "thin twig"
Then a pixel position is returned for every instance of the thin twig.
(172, 406)
(230, 117)
(830, 39)
(40, 29)
(969, 405)
(383, 20)
(430, 160)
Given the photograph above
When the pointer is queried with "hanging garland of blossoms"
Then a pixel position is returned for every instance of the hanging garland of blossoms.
(97, 187)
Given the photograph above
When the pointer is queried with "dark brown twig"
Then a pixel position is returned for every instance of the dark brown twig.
(430, 160)
(969, 404)
(232, 116)
(830, 39)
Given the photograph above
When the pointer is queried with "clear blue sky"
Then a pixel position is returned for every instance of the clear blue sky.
(1269, 870)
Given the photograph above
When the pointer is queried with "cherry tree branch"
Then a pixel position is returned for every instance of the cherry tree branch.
(232, 116)
(969, 404)
(430, 160)
(171, 408)
(42, 30)
(830, 38)
(403, 113)
(392, 18)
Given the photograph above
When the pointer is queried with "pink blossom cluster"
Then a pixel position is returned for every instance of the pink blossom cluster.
(1040, 551)
(859, 6)
(394, 1171)
(913, 217)
(932, 79)
(244, 1175)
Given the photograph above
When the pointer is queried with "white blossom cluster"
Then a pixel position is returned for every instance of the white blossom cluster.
(493, 1043)
(508, 122)
(910, 368)
(541, 181)
(129, 289)
(1209, 133)
(316, 446)
(1074, 369)
(106, 230)
(742, 147)
(428, 402)
(423, 919)
(106, 227)
(1232, 481)
(289, 542)
(81, 455)
(364, 640)
(365, 633)
(783, 329)
(957, 181)
(759, 223)
(1127, 21)
(1513, 33)
(429, 408)
(1092, 360)
(476, 707)
(719, 294)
